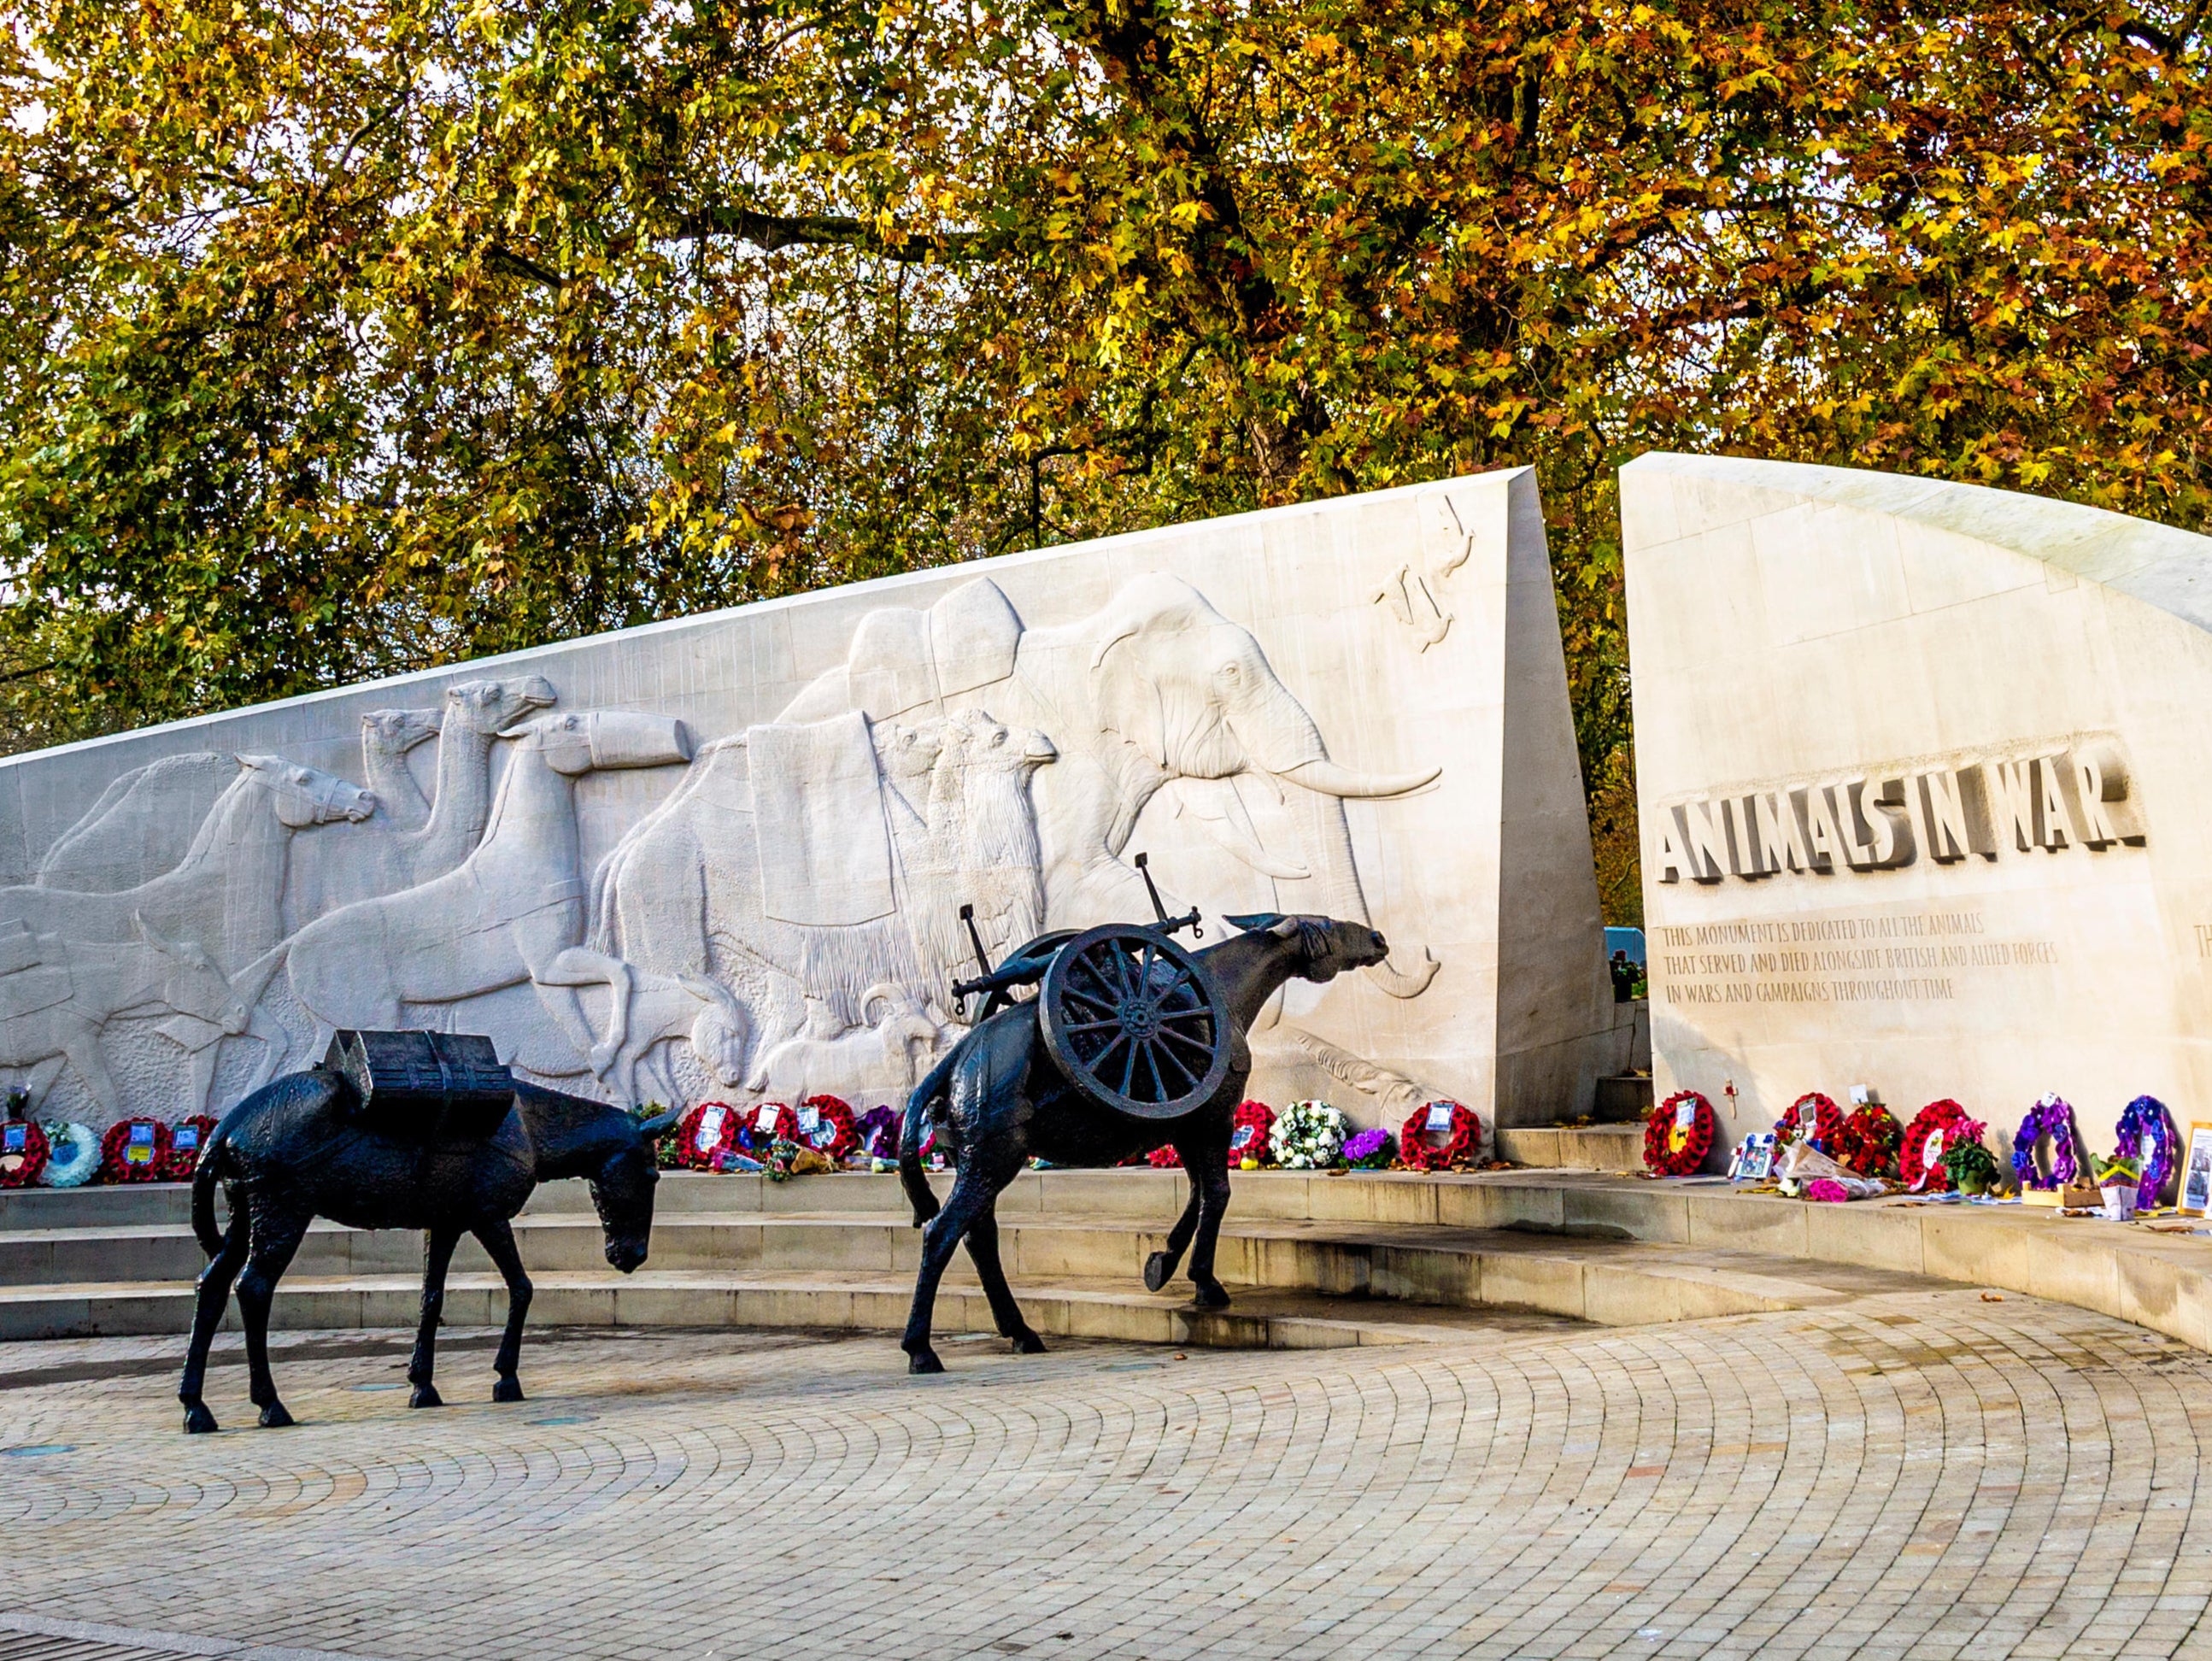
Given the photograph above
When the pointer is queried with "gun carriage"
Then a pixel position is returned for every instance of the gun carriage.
(1136, 1022)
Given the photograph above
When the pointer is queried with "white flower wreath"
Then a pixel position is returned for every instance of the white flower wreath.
(72, 1154)
(1307, 1136)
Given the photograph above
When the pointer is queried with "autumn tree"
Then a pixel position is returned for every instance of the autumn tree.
(347, 336)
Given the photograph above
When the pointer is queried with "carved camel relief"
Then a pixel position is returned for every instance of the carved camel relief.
(1154, 688)
(384, 856)
(513, 912)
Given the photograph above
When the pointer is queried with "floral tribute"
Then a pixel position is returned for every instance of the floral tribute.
(762, 1127)
(1814, 1118)
(22, 1153)
(1827, 1190)
(1936, 1127)
(72, 1154)
(1307, 1136)
(1869, 1141)
(2051, 1116)
(186, 1138)
(1679, 1134)
(1461, 1133)
(1249, 1133)
(2145, 1133)
(877, 1132)
(1164, 1157)
(825, 1124)
(704, 1134)
(134, 1151)
(1370, 1150)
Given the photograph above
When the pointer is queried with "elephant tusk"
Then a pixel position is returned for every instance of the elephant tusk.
(1332, 780)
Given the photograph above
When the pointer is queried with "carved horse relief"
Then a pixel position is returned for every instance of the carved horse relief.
(227, 895)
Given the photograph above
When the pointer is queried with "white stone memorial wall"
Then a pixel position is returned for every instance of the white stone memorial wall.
(723, 856)
(1922, 771)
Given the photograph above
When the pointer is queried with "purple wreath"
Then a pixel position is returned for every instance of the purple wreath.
(2050, 1117)
(2146, 1116)
(879, 1131)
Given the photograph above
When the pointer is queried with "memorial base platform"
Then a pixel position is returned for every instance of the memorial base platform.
(1313, 1261)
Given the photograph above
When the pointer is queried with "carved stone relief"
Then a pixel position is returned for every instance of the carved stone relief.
(772, 912)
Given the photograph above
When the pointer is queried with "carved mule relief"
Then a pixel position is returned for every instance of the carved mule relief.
(58, 997)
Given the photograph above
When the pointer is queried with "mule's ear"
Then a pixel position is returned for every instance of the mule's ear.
(660, 1125)
(1253, 922)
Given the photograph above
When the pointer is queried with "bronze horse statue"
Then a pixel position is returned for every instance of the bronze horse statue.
(999, 1099)
(296, 1149)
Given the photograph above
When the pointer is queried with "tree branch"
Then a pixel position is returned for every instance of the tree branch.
(772, 231)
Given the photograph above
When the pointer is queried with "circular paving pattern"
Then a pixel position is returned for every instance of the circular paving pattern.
(1930, 1474)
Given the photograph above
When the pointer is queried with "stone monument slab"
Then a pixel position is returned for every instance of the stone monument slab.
(724, 857)
(1921, 774)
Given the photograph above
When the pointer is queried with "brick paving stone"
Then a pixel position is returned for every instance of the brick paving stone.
(1912, 1476)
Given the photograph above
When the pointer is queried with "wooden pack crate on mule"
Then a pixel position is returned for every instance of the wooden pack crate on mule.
(425, 1086)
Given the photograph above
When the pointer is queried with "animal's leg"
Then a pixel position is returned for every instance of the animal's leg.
(438, 1245)
(208, 1305)
(983, 1249)
(40, 1079)
(972, 1196)
(80, 1042)
(1160, 1267)
(555, 981)
(498, 1239)
(1209, 1170)
(275, 1235)
(203, 1061)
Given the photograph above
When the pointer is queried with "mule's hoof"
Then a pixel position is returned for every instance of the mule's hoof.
(924, 1360)
(425, 1395)
(273, 1417)
(1210, 1296)
(509, 1388)
(1157, 1267)
(1028, 1344)
(198, 1421)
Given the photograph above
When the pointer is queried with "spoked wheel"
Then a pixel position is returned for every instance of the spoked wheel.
(1135, 1022)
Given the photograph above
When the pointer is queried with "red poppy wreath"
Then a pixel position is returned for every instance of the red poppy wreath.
(1679, 1134)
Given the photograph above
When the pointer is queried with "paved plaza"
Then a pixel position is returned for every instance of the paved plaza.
(1927, 1474)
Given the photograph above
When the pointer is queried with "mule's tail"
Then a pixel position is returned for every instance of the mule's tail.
(205, 1175)
(911, 1176)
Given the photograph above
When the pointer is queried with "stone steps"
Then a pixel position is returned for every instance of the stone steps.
(844, 1270)
(1455, 1240)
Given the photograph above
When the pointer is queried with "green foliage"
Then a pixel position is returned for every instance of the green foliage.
(347, 336)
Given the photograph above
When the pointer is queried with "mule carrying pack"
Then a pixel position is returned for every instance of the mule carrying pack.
(425, 1086)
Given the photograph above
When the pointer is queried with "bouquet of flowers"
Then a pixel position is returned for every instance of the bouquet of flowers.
(1370, 1150)
(1307, 1136)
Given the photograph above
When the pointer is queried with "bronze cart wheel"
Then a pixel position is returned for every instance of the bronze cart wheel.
(1135, 1022)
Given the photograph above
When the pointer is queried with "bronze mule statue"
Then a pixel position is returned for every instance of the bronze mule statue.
(999, 1099)
(297, 1149)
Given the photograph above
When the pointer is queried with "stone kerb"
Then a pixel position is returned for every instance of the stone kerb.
(1921, 771)
(723, 857)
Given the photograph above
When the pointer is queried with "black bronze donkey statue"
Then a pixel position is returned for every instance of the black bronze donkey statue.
(301, 1146)
(1001, 1096)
